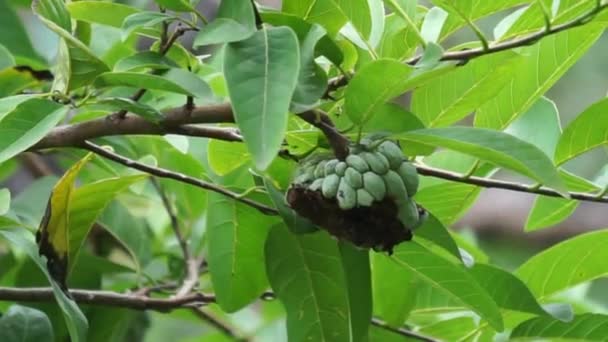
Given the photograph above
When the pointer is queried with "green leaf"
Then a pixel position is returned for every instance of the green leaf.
(359, 15)
(434, 231)
(448, 201)
(433, 24)
(532, 79)
(430, 57)
(586, 327)
(567, 264)
(236, 235)
(587, 131)
(23, 324)
(5, 201)
(261, 74)
(121, 103)
(15, 38)
(176, 5)
(7, 104)
(78, 65)
(222, 30)
(225, 157)
(323, 12)
(74, 318)
(54, 14)
(398, 41)
(144, 20)
(392, 118)
(26, 124)
(356, 265)
(173, 80)
(86, 205)
(539, 126)
(6, 59)
(141, 60)
(101, 12)
(449, 278)
(508, 291)
(394, 290)
(549, 211)
(296, 224)
(234, 22)
(495, 147)
(312, 81)
(464, 90)
(306, 274)
(454, 329)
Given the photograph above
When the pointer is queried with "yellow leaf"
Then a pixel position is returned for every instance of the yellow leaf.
(53, 236)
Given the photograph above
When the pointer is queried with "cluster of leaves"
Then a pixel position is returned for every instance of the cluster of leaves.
(116, 230)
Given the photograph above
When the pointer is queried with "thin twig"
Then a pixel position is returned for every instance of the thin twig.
(218, 324)
(500, 184)
(164, 173)
(191, 264)
(107, 298)
(402, 331)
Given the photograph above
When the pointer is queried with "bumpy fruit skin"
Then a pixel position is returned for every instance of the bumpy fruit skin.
(357, 163)
(341, 168)
(374, 184)
(409, 176)
(316, 184)
(392, 152)
(320, 169)
(395, 187)
(329, 188)
(364, 198)
(330, 167)
(347, 196)
(408, 214)
(353, 178)
(377, 162)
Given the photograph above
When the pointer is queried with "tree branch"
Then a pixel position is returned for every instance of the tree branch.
(164, 173)
(401, 331)
(218, 324)
(466, 55)
(499, 184)
(107, 298)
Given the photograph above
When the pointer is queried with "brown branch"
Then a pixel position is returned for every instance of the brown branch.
(191, 264)
(500, 184)
(218, 324)
(107, 298)
(174, 121)
(467, 55)
(164, 173)
(402, 331)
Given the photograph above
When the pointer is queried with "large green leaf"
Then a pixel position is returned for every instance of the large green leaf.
(586, 327)
(464, 90)
(356, 265)
(306, 274)
(450, 279)
(506, 289)
(74, 318)
(567, 264)
(234, 22)
(539, 126)
(531, 79)
(366, 21)
(261, 74)
(548, 211)
(454, 329)
(498, 148)
(380, 81)
(586, 132)
(236, 235)
(174, 80)
(101, 12)
(14, 37)
(77, 64)
(87, 204)
(323, 12)
(26, 124)
(394, 290)
(23, 324)
(434, 231)
(475, 9)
